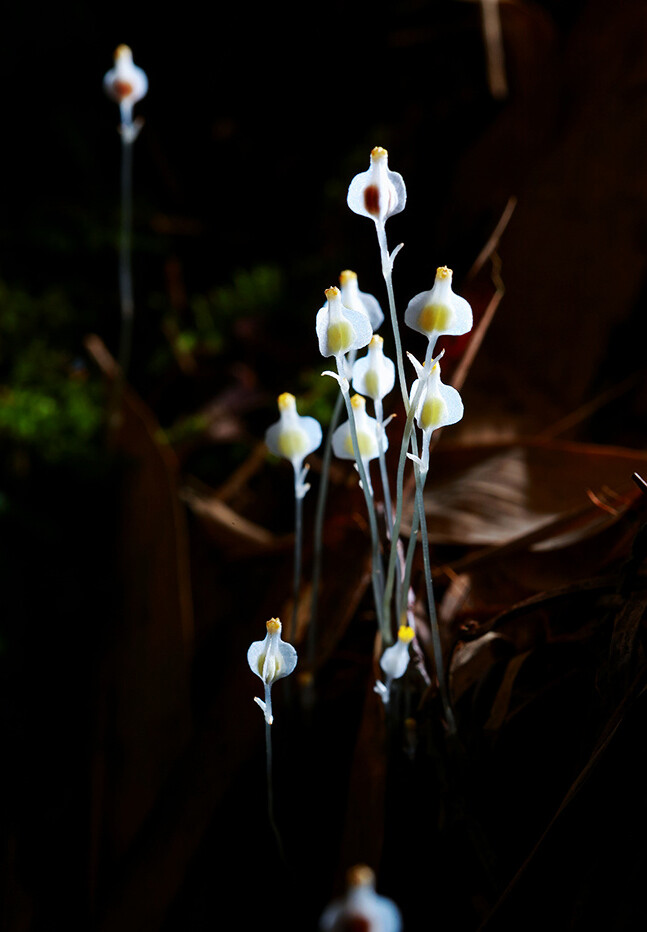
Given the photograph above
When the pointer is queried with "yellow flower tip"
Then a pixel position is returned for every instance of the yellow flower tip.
(273, 626)
(332, 292)
(358, 402)
(122, 50)
(286, 402)
(378, 153)
(347, 276)
(406, 634)
(360, 875)
(376, 340)
(443, 272)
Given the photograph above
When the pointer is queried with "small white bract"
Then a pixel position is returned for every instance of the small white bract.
(293, 437)
(271, 659)
(361, 907)
(125, 83)
(439, 311)
(379, 192)
(358, 300)
(374, 374)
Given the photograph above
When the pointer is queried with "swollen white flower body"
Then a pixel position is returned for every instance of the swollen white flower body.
(394, 661)
(439, 311)
(125, 83)
(369, 436)
(374, 374)
(341, 329)
(293, 437)
(377, 193)
(271, 659)
(438, 406)
(358, 300)
(361, 907)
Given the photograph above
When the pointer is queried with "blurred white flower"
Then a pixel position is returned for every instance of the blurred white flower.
(439, 311)
(361, 907)
(271, 659)
(358, 300)
(369, 435)
(125, 83)
(394, 661)
(293, 437)
(374, 374)
(377, 193)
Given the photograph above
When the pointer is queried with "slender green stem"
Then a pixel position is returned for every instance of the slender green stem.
(431, 603)
(298, 550)
(408, 564)
(125, 274)
(387, 272)
(377, 573)
(386, 490)
(270, 789)
(317, 555)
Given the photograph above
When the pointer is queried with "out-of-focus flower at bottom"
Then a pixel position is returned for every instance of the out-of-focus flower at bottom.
(361, 909)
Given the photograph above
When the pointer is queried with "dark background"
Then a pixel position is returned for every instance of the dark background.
(255, 122)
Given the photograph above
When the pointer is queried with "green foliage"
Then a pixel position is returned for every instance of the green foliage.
(49, 404)
(253, 292)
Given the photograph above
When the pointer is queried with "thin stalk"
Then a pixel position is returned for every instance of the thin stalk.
(322, 495)
(298, 550)
(126, 299)
(386, 490)
(387, 272)
(377, 573)
(408, 564)
(431, 603)
(270, 789)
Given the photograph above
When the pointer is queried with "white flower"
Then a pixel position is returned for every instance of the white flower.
(358, 300)
(361, 907)
(374, 374)
(125, 83)
(377, 193)
(438, 404)
(341, 329)
(394, 661)
(439, 311)
(369, 435)
(293, 437)
(271, 659)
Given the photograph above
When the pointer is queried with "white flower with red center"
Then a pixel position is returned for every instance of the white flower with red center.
(377, 193)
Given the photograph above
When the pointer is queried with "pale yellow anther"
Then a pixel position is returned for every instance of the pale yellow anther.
(406, 634)
(358, 402)
(287, 402)
(376, 340)
(360, 876)
(378, 153)
(273, 625)
(122, 50)
(332, 292)
(347, 276)
(443, 272)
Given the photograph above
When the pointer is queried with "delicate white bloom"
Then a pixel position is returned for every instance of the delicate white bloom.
(358, 300)
(293, 437)
(439, 311)
(271, 659)
(361, 907)
(395, 661)
(125, 83)
(340, 329)
(369, 436)
(374, 374)
(438, 404)
(379, 192)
